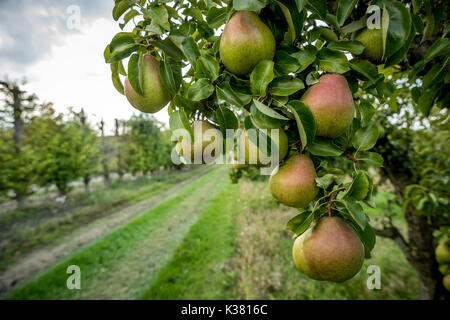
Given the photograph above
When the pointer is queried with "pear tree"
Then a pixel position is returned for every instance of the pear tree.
(342, 79)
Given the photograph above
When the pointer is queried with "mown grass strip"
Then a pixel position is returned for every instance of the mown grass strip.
(198, 269)
(99, 204)
(94, 259)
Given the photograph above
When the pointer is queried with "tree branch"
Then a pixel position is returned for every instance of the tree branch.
(393, 233)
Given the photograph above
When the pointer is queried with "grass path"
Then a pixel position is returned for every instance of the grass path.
(117, 265)
(41, 258)
(200, 268)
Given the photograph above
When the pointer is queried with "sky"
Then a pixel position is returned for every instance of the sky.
(57, 45)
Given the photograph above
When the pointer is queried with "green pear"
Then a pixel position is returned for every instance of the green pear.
(331, 250)
(442, 253)
(294, 183)
(331, 102)
(245, 42)
(251, 151)
(196, 150)
(446, 282)
(372, 39)
(155, 95)
(444, 269)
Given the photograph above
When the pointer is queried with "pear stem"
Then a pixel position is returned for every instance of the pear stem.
(332, 197)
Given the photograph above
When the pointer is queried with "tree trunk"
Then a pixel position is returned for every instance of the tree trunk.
(422, 258)
(420, 245)
(21, 201)
(86, 180)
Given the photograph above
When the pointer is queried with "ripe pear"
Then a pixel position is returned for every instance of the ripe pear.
(245, 42)
(294, 183)
(331, 251)
(442, 253)
(372, 39)
(251, 151)
(194, 151)
(155, 95)
(446, 281)
(331, 102)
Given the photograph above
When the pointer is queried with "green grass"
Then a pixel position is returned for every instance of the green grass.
(46, 223)
(199, 268)
(94, 259)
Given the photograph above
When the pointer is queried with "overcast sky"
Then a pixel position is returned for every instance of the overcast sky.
(62, 60)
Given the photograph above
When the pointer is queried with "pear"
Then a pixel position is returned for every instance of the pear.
(294, 183)
(251, 151)
(245, 42)
(155, 95)
(446, 282)
(331, 102)
(442, 253)
(331, 250)
(372, 39)
(196, 150)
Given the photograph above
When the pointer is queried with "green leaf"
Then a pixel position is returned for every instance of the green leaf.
(371, 158)
(355, 47)
(344, 10)
(207, 67)
(130, 15)
(319, 7)
(304, 118)
(300, 4)
(286, 63)
(200, 90)
(159, 15)
(261, 76)
(332, 61)
(115, 77)
(365, 68)
(324, 148)
(169, 78)
(359, 188)
(134, 74)
(305, 58)
(268, 111)
(190, 49)
(401, 53)
(285, 86)
(226, 93)
(120, 8)
(263, 121)
(426, 100)
(441, 47)
(251, 5)
(186, 104)
(368, 237)
(216, 17)
(399, 26)
(179, 121)
(366, 112)
(435, 75)
(300, 223)
(287, 15)
(356, 212)
(226, 119)
(365, 138)
(122, 45)
(169, 47)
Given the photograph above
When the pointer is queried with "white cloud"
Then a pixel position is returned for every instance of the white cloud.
(74, 74)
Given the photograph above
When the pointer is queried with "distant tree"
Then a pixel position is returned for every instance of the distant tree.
(121, 147)
(149, 147)
(91, 150)
(106, 151)
(61, 149)
(18, 163)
